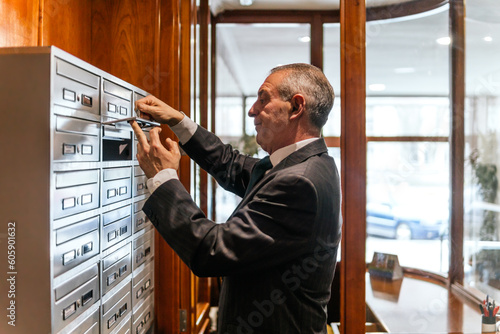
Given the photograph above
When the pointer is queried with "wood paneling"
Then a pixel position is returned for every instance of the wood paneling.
(124, 41)
(67, 25)
(457, 140)
(275, 16)
(317, 41)
(353, 159)
(19, 23)
(403, 9)
(146, 43)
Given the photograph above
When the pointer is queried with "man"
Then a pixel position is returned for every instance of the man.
(277, 251)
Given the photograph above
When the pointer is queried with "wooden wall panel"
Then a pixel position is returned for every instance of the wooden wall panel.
(67, 25)
(124, 40)
(19, 23)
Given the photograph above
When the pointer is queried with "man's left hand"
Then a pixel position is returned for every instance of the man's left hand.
(153, 156)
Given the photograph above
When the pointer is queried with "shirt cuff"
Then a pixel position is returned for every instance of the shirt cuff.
(160, 178)
(185, 129)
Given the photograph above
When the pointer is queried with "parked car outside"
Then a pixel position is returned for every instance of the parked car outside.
(406, 222)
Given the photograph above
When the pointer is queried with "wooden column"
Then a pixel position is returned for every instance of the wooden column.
(353, 158)
(457, 101)
(187, 20)
(317, 40)
(213, 96)
(167, 263)
(204, 19)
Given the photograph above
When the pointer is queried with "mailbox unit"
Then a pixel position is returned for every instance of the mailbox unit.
(80, 248)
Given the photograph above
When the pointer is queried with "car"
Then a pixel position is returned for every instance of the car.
(406, 222)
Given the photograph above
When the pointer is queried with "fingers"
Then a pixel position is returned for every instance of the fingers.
(154, 136)
(149, 100)
(151, 107)
(141, 136)
(172, 146)
(147, 106)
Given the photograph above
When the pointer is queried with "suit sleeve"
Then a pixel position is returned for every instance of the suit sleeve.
(230, 168)
(274, 227)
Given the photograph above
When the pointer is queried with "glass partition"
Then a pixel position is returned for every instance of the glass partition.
(245, 55)
(331, 68)
(407, 127)
(482, 154)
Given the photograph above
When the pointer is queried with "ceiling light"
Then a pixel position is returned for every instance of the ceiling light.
(246, 2)
(404, 70)
(376, 87)
(305, 39)
(487, 39)
(444, 40)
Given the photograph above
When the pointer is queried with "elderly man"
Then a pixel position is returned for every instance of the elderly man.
(277, 251)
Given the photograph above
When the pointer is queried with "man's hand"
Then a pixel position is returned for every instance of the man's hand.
(151, 107)
(153, 156)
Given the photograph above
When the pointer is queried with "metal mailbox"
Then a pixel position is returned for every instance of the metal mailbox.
(76, 140)
(76, 88)
(117, 226)
(143, 248)
(115, 268)
(142, 283)
(116, 308)
(142, 316)
(140, 219)
(75, 244)
(124, 327)
(74, 296)
(75, 191)
(116, 100)
(116, 184)
(86, 194)
(85, 324)
(140, 186)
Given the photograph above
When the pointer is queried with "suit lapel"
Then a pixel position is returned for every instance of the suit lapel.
(315, 148)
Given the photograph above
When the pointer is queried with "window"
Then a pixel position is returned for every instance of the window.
(244, 60)
(407, 127)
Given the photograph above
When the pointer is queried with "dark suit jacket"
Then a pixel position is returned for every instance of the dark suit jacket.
(277, 252)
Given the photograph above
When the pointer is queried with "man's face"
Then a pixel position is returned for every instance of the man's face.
(271, 115)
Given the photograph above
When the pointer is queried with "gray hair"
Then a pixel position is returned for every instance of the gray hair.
(310, 81)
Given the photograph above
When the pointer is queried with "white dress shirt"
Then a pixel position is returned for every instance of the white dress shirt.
(186, 128)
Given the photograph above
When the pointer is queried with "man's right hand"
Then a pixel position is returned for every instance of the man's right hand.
(153, 108)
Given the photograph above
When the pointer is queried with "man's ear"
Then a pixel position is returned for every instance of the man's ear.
(298, 106)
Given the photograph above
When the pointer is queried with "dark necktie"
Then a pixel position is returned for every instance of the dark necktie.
(258, 172)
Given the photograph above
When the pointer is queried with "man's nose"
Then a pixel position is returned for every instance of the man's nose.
(252, 112)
